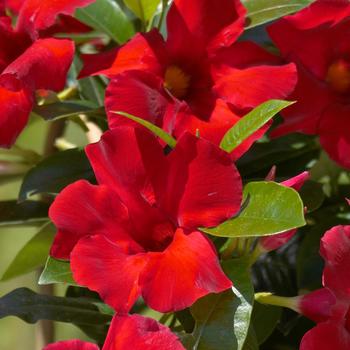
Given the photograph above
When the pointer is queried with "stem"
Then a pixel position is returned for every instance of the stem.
(231, 247)
(45, 331)
(162, 15)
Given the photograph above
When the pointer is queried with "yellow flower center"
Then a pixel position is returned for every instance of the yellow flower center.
(338, 76)
(176, 81)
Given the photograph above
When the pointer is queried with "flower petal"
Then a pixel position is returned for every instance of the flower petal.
(146, 92)
(140, 333)
(335, 250)
(94, 63)
(312, 98)
(16, 103)
(36, 15)
(325, 336)
(45, 59)
(298, 181)
(132, 174)
(102, 266)
(145, 51)
(71, 345)
(83, 209)
(205, 25)
(270, 82)
(317, 305)
(184, 272)
(203, 186)
(334, 133)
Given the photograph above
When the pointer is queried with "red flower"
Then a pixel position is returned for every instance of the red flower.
(27, 65)
(140, 333)
(128, 332)
(199, 78)
(334, 330)
(316, 40)
(136, 232)
(270, 243)
(71, 345)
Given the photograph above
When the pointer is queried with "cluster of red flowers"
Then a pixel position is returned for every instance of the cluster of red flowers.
(29, 60)
(137, 232)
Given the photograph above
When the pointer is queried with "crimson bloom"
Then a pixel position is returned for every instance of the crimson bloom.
(135, 233)
(128, 332)
(329, 306)
(28, 64)
(316, 40)
(199, 78)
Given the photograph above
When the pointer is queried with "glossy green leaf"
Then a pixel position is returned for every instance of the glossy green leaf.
(264, 320)
(57, 271)
(33, 254)
(67, 109)
(272, 208)
(13, 213)
(143, 9)
(168, 139)
(251, 122)
(222, 320)
(32, 307)
(107, 16)
(262, 11)
(56, 172)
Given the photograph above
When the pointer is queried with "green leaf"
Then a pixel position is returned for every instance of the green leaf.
(251, 342)
(13, 213)
(168, 139)
(56, 172)
(143, 9)
(264, 320)
(107, 16)
(32, 307)
(251, 122)
(67, 109)
(33, 254)
(272, 208)
(262, 11)
(56, 271)
(222, 320)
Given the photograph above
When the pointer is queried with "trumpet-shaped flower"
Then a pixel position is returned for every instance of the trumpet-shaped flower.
(316, 40)
(199, 78)
(136, 232)
(28, 63)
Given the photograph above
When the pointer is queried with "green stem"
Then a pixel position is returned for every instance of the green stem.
(162, 15)
(231, 247)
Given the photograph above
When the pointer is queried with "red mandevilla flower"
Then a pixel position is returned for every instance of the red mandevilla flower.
(331, 307)
(196, 79)
(135, 233)
(317, 40)
(27, 64)
(128, 332)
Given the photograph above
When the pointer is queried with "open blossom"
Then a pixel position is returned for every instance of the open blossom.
(317, 40)
(329, 306)
(335, 331)
(269, 243)
(135, 233)
(28, 63)
(199, 78)
(128, 332)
